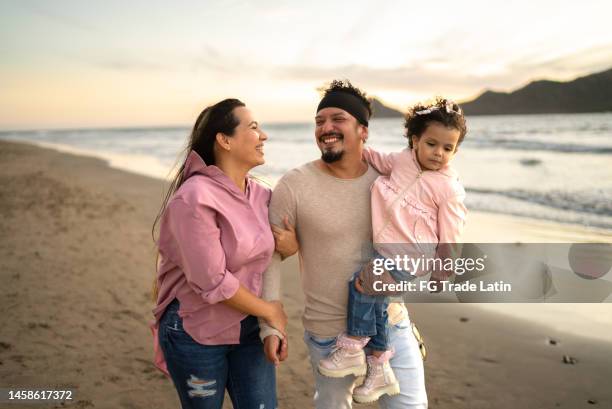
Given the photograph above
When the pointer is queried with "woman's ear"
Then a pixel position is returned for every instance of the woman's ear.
(415, 141)
(223, 141)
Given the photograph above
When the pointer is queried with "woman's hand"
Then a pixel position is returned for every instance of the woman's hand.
(276, 317)
(275, 349)
(285, 239)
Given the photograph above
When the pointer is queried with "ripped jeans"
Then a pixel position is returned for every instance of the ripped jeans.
(201, 373)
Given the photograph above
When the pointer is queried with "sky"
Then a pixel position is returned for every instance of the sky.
(71, 64)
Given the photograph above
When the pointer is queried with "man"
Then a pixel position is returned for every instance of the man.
(328, 203)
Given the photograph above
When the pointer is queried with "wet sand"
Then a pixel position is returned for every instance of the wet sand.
(77, 261)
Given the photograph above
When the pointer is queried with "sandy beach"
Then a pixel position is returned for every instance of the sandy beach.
(77, 263)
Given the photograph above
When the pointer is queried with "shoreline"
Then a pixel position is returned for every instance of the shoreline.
(531, 230)
(77, 259)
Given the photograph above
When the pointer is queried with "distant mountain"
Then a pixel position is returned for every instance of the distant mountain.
(592, 93)
(380, 110)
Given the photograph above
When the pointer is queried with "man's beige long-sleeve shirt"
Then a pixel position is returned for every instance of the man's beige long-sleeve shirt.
(332, 219)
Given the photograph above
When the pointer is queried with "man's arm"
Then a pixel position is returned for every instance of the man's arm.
(283, 204)
(285, 240)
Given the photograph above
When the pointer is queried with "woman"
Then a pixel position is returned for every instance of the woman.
(214, 244)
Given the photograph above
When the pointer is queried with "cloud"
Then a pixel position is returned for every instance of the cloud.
(439, 74)
(208, 59)
(213, 60)
(593, 59)
(404, 78)
(125, 64)
(51, 14)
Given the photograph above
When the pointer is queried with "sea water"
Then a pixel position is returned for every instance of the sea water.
(548, 167)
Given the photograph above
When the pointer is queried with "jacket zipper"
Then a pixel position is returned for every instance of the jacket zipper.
(399, 196)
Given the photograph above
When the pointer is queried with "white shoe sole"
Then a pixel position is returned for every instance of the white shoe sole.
(341, 373)
(390, 390)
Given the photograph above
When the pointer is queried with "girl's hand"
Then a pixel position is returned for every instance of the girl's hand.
(276, 317)
(275, 349)
(364, 282)
(285, 239)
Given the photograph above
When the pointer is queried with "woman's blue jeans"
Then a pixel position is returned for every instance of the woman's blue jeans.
(202, 373)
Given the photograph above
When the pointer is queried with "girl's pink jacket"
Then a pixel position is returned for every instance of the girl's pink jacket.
(413, 206)
(213, 237)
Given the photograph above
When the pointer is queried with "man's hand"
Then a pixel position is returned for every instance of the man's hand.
(285, 239)
(276, 350)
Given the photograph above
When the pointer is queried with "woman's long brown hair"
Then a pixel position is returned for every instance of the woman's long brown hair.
(217, 118)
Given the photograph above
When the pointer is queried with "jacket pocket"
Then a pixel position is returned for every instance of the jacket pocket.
(424, 232)
(424, 221)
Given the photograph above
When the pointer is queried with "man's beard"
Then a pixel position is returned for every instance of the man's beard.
(331, 156)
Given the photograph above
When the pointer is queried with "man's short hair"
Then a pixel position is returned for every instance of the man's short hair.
(345, 86)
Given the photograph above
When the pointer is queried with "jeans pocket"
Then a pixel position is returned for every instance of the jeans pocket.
(172, 321)
(175, 328)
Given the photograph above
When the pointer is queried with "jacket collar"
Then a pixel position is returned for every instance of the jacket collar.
(447, 170)
(195, 165)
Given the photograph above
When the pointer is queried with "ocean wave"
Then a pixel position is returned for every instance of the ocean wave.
(592, 202)
(525, 145)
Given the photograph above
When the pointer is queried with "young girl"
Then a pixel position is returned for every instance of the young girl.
(417, 201)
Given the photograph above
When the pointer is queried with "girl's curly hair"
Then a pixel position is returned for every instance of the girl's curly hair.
(442, 110)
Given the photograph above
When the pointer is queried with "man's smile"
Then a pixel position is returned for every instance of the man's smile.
(330, 139)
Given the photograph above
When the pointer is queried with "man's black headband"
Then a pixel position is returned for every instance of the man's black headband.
(349, 102)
